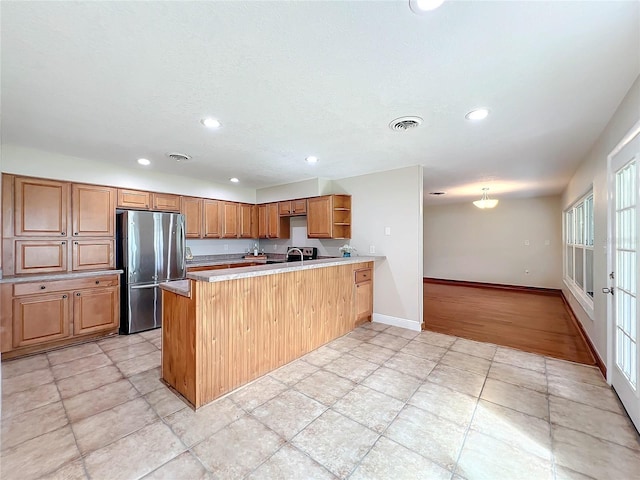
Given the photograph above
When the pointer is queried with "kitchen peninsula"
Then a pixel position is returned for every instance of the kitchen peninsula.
(225, 328)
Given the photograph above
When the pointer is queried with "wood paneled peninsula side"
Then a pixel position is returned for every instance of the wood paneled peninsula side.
(225, 328)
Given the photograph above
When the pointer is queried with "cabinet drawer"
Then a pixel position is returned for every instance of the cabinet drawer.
(363, 275)
(133, 199)
(31, 288)
(93, 254)
(41, 256)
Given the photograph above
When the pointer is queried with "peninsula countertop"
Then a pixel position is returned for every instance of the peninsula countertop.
(276, 268)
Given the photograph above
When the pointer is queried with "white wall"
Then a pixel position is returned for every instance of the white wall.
(306, 188)
(462, 242)
(37, 163)
(593, 171)
(390, 199)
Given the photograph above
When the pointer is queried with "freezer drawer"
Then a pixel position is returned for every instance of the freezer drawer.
(143, 308)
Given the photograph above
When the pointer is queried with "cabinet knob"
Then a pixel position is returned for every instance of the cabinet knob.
(75, 243)
(77, 294)
(42, 287)
(63, 233)
(75, 233)
(64, 296)
(97, 282)
(64, 243)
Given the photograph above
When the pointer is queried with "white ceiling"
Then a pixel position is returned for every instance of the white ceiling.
(115, 81)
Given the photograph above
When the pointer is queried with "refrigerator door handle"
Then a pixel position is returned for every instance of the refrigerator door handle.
(138, 287)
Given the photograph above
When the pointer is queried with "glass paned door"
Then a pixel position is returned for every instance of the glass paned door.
(624, 214)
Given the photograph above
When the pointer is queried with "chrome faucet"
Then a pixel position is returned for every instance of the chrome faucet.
(299, 251)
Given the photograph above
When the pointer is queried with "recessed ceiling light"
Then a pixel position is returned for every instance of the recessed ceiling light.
(312, 159)
(234, 180)
(210, 122)
(144, 161)
(477, 114)
(421, 6)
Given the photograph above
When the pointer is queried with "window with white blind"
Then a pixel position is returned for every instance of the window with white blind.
(578, 251)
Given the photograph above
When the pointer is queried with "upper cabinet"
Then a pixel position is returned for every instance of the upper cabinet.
(230, 220)
(41, 207)
(212, 217)
(93, 211)
(165, 202)
(270, 223)
(329, 216)
(293, 207)
(247, 217)
(133, 199)
(191, 208)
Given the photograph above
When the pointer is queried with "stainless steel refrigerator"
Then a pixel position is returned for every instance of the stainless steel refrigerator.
(150, 250)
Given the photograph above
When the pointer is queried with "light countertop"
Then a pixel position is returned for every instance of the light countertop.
(56, 276)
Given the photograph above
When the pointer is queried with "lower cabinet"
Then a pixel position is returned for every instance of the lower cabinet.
(95, 310)
(364, 294)
(52, 313)
(40, 318)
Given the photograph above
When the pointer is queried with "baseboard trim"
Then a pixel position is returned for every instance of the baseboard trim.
(583, 333)
(396, 322)
(494, 286)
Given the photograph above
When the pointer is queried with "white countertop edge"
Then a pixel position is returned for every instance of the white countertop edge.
(273, 269)
(57, 276)
(180, 287)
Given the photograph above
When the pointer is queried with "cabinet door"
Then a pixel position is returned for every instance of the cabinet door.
(192, 211)
(93, 211)
(41, 207)
(133, 199)
(319, 217)
(230, 219)
(96, 254)
(95, 310)
(254, 222)
(263, 222)
(299, 207)
(246, 222)
(284, 208)
(273, 221)
(40, 318)
(165, 202)
(364, 301)
(212, 220)
(41, 256)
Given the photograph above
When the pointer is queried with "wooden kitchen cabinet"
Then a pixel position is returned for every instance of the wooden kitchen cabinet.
(37, 316)
(40, 256)
(191, 208)
(93, 254)
(329, 216)
(40, 318)
(165, 202)
(270, 223)
(262, 221)
(245, 221)
(230, 220)
(93, 211)
(292, 207)
(41, 207)
(212, 219)
(364, 294)
(95, 310)
(133, 199)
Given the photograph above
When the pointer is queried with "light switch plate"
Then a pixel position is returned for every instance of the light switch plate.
(387, 230)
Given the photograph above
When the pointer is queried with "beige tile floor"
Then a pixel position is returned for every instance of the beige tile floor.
(379, 403)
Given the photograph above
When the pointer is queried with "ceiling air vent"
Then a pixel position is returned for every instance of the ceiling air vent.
(403, 124)
(179, 157)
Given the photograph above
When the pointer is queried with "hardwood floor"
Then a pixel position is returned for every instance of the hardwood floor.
(533, 322)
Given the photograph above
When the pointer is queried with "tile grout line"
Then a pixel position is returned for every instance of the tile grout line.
(552, 453)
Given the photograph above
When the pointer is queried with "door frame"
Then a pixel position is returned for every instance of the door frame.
(611, 333)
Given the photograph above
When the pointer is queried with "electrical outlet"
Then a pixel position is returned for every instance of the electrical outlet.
(526, 272)
(275, 248)
(226, 247)
(372, 249)
(526, 243)
(387, 230)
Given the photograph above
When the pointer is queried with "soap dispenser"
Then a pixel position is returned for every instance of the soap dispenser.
(255, 249)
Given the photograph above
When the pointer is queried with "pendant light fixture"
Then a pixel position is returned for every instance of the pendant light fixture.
(485, 201)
